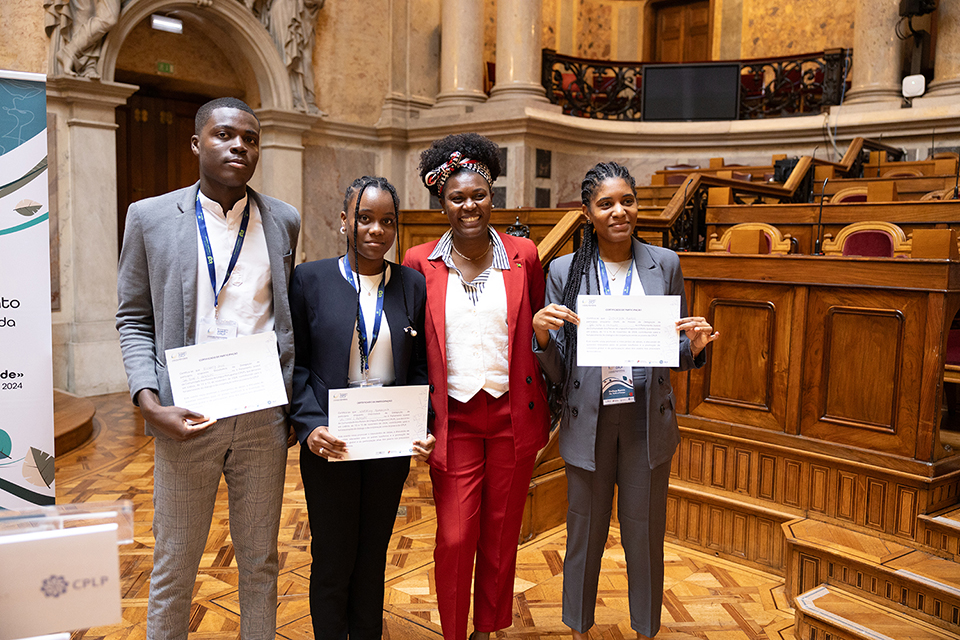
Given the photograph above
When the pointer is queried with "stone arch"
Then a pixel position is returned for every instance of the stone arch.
(243, 36)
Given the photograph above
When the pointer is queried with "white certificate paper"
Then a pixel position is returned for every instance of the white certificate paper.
(227, 377)
(378, 422)
(636, 331)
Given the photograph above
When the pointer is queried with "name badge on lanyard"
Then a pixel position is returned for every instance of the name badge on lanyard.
(212, 328)
(616, 383)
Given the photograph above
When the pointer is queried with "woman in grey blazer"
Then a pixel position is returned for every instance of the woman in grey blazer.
(614, 434)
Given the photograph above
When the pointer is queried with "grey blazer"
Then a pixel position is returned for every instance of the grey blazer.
(157, 283)
(659, 271)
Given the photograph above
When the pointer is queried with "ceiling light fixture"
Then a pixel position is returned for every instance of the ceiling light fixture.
(165, 23)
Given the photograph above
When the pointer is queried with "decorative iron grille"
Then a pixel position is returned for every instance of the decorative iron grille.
(769, 87)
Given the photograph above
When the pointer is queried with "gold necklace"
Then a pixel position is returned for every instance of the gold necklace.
(480, 257)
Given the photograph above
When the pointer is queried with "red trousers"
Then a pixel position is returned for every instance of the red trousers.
(480, 500)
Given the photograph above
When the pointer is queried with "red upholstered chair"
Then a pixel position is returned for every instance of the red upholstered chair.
(776, 242)
(870, 239)
(850, 194)
(951, 371)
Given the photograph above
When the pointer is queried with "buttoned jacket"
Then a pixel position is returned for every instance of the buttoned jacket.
(157, 283)
(524, 286)
(660, 274)
(324, 308)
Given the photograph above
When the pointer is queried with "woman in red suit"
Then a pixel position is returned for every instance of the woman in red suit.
(488, 396)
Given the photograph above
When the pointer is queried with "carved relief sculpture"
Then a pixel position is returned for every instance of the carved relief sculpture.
(292, 24)
(77, 29)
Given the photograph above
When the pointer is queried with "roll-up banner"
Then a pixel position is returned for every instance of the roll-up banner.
(26, 367)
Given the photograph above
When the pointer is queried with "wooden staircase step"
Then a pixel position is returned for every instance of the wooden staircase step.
(912, 582)
(72, 421)
(826, 610)
(940, 532)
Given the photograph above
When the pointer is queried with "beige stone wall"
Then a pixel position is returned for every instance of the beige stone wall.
(785, 27)
(351, 59)
(23, 44)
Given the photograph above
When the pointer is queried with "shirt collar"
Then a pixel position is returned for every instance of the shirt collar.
(214, 207)
(444, 250)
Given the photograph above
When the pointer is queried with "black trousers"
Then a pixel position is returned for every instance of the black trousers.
(352, 507)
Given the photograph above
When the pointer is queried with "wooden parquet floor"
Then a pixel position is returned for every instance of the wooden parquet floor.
(706, 597)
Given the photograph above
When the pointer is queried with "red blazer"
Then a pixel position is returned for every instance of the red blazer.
(524, 284)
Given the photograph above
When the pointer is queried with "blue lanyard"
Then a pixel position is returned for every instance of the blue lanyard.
(362, 328)
(208, 250)
(606, 283)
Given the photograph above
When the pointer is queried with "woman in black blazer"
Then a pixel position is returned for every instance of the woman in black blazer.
(627, 438)
(352, 505)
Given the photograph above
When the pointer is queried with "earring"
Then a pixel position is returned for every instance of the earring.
(343, 230)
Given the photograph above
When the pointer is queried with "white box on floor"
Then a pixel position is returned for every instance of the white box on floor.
(61, 580)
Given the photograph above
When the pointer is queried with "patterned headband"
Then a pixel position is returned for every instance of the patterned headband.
(439, 175)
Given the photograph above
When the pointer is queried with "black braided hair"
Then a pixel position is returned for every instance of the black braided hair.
(207, 109)
(471, 145)
(357, 187)
(585, 259)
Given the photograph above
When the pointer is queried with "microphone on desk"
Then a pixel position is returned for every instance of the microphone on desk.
(817, 243)
(956, 186)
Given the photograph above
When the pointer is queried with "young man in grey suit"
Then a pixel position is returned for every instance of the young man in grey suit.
(169, 298)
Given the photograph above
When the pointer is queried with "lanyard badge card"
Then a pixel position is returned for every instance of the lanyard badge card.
(616, 383)
(366, 346)
(213, 328)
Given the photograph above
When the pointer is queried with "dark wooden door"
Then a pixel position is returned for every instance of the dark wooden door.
(682, 31)
(153, 149)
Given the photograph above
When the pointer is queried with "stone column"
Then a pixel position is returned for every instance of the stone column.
(518, 51)
(946, 72)
(280, 170)
(876, 55)
(461, 53)
(86, 345)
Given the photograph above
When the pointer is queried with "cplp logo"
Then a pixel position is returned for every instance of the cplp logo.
(54, 586)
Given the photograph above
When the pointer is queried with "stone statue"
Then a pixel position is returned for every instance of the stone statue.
(78, 28)
(292, 24)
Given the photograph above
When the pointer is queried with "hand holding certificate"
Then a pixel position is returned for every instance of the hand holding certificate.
(636, 331)
(227, 377)
(378, 422)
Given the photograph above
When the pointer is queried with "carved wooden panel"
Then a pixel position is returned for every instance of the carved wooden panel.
(745, 378)
(743, 532)
(819, 477)
(862, 367)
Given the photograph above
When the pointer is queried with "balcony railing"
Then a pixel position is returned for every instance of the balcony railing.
(769, 87)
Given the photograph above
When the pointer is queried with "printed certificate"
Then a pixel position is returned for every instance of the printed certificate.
(636, 331)
(378, 422)
(227, 377)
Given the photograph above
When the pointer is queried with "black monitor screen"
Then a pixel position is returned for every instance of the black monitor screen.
(678, 92)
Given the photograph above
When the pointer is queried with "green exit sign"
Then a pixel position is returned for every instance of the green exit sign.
(165, 67)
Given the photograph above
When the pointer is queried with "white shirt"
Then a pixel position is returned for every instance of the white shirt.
(247, 298)
(381, 357)
(477, 338)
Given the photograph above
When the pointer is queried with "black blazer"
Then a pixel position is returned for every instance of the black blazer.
(324, 307)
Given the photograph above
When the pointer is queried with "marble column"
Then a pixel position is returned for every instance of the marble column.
(946, 72)
(280, 170)
(86, 345)
(518, 51)
(877, 56)
(461, 53)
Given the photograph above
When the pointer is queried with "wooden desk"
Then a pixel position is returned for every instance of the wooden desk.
(820, 399)
(800, 220)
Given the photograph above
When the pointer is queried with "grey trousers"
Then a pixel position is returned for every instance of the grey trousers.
(621, 459)
(250, 451)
